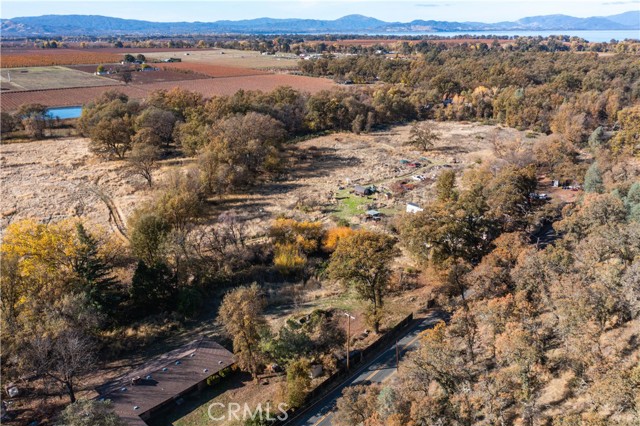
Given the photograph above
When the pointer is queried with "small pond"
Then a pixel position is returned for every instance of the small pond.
(64, 113)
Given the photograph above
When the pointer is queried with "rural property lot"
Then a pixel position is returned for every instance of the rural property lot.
(56, 77)
(231, 58)
(212, 70)
(62, 175)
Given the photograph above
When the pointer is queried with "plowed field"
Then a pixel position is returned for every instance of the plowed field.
(48, 57)
(208, 87)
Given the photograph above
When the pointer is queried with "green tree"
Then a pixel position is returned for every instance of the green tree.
(90, 412)
(593, 179)
(94, 273)
(241, 315)
(596, 138)
(363, 259)
(148, 236)
(153, 288)
(34, 119)
(112, 137)
(446, 186)
(290, 344)
(507, 196)
(159, 123)
(298, 382)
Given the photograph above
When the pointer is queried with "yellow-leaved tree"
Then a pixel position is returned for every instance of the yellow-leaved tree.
(42, 255)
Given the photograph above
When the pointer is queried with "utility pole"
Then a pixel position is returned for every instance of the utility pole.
(349, 318)
(397, 355)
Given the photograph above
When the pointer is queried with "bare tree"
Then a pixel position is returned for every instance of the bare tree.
(143, 160)
(424, 135)
(63, 358)
(126, 77)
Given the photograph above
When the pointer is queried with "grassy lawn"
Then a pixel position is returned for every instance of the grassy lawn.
(350, 205)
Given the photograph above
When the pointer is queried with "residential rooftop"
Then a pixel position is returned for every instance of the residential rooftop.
(160, 383)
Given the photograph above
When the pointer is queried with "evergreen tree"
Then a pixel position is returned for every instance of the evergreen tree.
(596, 138)
(93, 273)
(152, 288)
(593, 179)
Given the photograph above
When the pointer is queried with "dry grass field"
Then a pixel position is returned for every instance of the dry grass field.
(212, 70)
(231, 58)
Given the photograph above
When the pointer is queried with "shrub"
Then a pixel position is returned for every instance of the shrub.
(305, 235)
(333, 236)
(288, 259)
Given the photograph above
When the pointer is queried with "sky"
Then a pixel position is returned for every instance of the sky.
(399, 10)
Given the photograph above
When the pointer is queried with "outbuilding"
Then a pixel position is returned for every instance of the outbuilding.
(363, 191)
(413, 208)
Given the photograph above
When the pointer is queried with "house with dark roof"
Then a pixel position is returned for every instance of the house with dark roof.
(163, 382)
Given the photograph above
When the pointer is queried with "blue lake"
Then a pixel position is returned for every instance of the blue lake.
(64, 113)
(589, 35)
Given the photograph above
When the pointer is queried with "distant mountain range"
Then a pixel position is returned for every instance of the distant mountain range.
(53, 25)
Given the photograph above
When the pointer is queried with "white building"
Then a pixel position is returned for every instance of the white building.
(413, 208)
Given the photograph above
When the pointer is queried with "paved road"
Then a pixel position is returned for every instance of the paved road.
(379, 370)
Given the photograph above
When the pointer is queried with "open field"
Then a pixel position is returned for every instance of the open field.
(55, 77)
(230, 58)
(51, 180)
(212, 70)
(208, 87)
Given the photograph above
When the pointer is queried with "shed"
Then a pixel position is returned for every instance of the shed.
(413, 208)
(362, 190)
